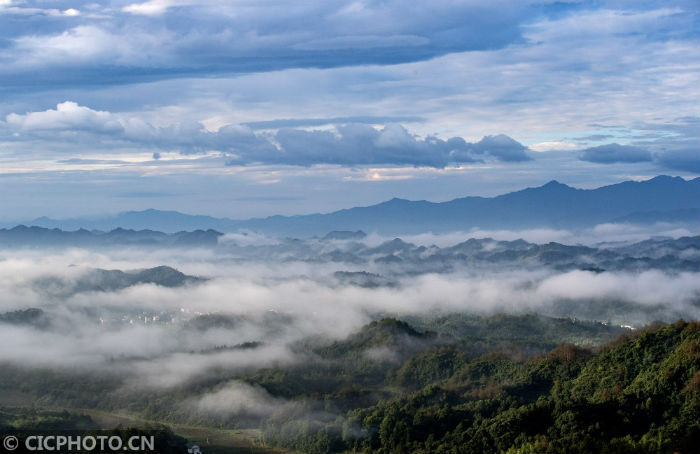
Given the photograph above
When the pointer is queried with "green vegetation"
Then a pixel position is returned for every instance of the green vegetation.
(28, 418)
(446, 384)
(639, 394)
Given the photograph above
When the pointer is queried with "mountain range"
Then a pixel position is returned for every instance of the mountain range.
(552, 205)
(38, 237)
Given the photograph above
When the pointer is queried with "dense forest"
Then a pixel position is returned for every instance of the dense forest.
(443, 384)
(637, 394)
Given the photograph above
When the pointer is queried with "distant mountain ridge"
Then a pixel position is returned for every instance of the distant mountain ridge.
(150, 219)
(23, 236)
(392, 256)
(553, 205)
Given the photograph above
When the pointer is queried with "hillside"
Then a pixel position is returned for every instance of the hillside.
(639, 394)
(497, 384)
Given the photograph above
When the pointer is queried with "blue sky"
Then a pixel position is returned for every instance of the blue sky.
(251, 108)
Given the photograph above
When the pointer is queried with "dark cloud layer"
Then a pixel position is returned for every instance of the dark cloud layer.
(678, 158)
(682, 159)
(358, 144)
(670, 145)
(156, 39)
(614, 152)
(502, 147)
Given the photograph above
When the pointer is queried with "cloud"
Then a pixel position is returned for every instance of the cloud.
(356, 144)
(687, 160)
(214, 37)
(152, 7)
(595, 137)
(20, 8)
(349, 144)
(600, 233)
(556, 145)
(501, 147)
(301, 122)
(613, 152)
(68, 116)
(539, 75)
(81, 45)
(605, 21)
(679, 152)
(236, 398)
(649, 287)
(145, 332)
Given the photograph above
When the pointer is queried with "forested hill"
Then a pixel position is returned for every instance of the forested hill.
(639, 394)
(459, 384)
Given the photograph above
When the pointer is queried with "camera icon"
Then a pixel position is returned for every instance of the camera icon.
(10, 443)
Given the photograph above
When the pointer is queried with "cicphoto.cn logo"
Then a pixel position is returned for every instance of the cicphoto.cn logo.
(82, 443)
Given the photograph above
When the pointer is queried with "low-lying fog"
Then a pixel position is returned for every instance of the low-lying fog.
(166, 334)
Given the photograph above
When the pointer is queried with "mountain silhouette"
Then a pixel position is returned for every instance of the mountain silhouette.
(552, 205)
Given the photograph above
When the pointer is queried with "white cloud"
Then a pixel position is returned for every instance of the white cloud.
(237, 397)
(89, 44)
(68, 115)
(84, 42)
(556, 145)
(276, 303)
(649, 287)
(593, 24)
(599, 234)
(153, 7)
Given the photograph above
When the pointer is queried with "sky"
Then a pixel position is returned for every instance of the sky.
(255, 108)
